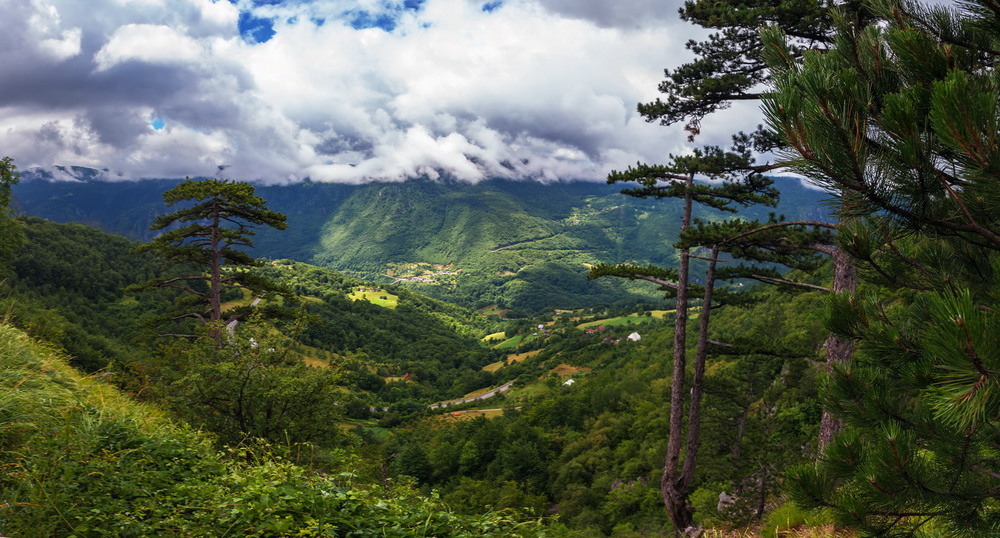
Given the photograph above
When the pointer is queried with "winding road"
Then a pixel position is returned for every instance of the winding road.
(485, 396)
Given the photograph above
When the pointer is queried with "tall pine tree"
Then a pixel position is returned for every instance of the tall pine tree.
(11, 235)
(729, 66)
(205, 238)
(900, 118)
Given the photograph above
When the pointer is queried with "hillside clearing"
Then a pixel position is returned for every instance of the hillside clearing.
(509, 360)
(375, 296)
(567, 370)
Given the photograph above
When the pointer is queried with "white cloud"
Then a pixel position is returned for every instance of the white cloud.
(149, 43)
(542, 89)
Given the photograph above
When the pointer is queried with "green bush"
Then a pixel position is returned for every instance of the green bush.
(788, 516)
(81, 459)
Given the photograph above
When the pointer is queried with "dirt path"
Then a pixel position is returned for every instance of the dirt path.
(485, 396)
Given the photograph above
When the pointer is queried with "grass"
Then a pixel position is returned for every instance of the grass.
(788, 520)
(631, 319)
(243, 301)
(99, 442)
(511, 342)
(376, 296)
(493, 310)
(319, 358)
(462, 416)
(530, 391)
(477, 393)
(470, 414)
(82, 459)
(510, 359)
(495, 336)
(567, 370)
(824, 531)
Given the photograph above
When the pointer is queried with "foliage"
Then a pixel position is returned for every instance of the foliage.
(208, 235)
(898, 119)
(11, 236)
(602, 439)
(729, 65)
(254, 386)
(66, 289)
(83, 460)
(438, 344)
(742, 185)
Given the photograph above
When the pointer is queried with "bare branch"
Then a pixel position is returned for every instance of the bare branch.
(781, 281)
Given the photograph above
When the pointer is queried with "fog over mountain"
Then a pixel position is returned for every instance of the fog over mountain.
(341, 90)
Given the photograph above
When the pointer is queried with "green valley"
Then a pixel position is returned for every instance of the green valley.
(673, 353)
(512, 244)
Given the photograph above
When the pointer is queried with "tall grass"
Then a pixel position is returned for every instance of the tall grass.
(78, 458)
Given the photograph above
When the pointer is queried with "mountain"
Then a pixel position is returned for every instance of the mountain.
(65, 286)
(582, 428)
(517, 244)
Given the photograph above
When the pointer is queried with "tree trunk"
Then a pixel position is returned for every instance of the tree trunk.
(697, 385)
(674, 494)
(838, 350)
(215, 281)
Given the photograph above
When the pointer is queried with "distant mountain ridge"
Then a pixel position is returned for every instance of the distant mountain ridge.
(518, 244)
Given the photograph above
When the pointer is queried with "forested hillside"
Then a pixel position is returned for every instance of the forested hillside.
(583, 426)
(677, 359)
(82, 459)
(590, 448)
(67, 287)
(515, 244)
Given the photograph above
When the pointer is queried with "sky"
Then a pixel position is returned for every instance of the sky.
(342, 90)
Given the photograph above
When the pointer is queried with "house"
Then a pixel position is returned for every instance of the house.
(634, 337)
(569, 382)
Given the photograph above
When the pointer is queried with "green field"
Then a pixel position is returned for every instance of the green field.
(375, 296)
(494, 337)
(631, 319)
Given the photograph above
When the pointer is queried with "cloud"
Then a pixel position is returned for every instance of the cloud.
(147, 43)
(338, 90)
(617, 14)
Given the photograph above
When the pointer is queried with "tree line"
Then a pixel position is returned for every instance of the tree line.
(890, 106)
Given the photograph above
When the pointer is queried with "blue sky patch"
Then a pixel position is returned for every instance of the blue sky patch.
(157, 124)
(387, 18)
(363, 20)
(490, 7)
(255, 29)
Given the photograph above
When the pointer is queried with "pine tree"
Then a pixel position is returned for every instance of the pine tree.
(207, 236)
(677, 180)
(11, 235)
(900, 118)
(729, 66)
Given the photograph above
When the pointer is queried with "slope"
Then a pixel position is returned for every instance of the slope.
(81, 459)
(517, 244)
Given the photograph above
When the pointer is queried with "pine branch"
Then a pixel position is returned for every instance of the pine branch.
(784, 282)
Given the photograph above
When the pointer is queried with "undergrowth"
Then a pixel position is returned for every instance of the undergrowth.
(81, 459)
